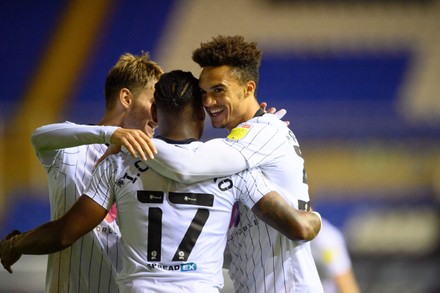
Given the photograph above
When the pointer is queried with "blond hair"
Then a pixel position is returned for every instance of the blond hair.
(133, 72)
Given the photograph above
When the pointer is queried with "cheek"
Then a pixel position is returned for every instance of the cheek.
(143, 111)
(147, 108)
(139, 118)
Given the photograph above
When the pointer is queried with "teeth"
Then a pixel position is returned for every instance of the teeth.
(215, 111)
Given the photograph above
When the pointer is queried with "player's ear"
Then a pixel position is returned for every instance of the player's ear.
(250, 88)
(154, 112)
(125, 97)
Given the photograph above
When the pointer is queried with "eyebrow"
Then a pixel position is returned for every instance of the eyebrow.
(217, 86)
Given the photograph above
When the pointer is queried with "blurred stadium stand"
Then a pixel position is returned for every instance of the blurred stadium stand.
(359, 79)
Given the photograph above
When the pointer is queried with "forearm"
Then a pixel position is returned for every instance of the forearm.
(56, 235)
(53, 236)
(294, 224)
(44, 239)
(64, 135)
(211, 159)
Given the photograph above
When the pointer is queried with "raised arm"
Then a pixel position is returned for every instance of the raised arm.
(49, 138)
(211, 159)
(295, 224)
(53, 236)
(64, 135)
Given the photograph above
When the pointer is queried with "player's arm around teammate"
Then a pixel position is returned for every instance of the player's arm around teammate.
(53, 236)
(295, 224)
(52, 137)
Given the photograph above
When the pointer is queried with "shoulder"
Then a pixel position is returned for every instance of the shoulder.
(268, 119)
(266, 127)
(113, 161)
(193, 145)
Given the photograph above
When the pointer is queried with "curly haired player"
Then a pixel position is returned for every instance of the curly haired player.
(263, 259)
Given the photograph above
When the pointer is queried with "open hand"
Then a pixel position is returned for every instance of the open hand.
(279, 114)
(135, 141)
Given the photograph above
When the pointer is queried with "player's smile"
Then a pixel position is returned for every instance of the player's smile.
(216, 114)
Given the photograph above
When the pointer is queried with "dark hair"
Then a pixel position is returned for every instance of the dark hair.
(134, 72)
(234, 51)
(177, 89)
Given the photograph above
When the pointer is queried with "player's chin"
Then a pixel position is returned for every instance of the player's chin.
(218, 121)
(216, 124)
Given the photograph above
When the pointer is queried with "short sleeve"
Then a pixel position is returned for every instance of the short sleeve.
(251, 186)
(100, 187)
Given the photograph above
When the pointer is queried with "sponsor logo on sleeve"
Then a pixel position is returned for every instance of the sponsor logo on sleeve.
(239, 132)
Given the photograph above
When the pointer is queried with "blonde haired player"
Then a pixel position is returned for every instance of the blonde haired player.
(69, 151)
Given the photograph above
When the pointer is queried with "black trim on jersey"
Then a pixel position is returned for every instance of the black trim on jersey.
(149, 196)
(304, 205)
(200, 199)
(191, 235)
(167, 140)
(259, 113)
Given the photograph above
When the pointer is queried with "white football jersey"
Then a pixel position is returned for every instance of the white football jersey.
(173, 234)
(263, 260)
(91, 263)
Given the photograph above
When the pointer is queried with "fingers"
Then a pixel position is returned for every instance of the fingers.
(263, 106)
(140, 145)
(271, 110)
(7, 267)
(135, 141)
(4, 255)
(280, 114)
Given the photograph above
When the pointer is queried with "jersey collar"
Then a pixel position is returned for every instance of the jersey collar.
(167, 140)
(259, 113)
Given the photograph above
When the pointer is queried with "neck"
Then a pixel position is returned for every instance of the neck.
(253, 108)
(178, 128)
(112, 118)
(247, 113)
(178, 134)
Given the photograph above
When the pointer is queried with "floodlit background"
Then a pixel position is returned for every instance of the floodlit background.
(360, 81)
